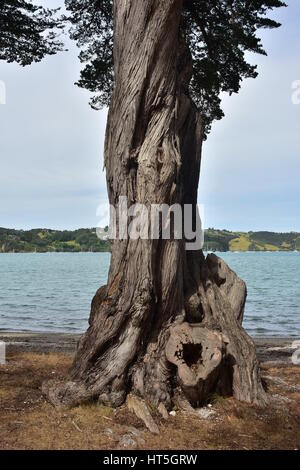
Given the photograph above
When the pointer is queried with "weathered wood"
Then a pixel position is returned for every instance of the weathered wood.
(155, 287)
(141, 410)
(197, 354)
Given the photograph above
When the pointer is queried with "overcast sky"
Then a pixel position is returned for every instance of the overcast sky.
(51, 145)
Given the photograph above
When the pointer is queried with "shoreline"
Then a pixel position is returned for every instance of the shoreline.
(276, 349)
(108, 251)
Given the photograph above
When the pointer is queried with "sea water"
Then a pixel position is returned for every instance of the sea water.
(53, 291)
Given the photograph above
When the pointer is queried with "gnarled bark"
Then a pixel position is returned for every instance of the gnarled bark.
(158, 291)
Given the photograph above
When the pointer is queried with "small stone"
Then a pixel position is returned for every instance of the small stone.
(205, 413)
(172, 413)
(127, 441)
(137, 434)
(163, 411)
(209, 405)
(182, 403)
(111, 434)
(134, 431)
(281, 398)
(108, 432)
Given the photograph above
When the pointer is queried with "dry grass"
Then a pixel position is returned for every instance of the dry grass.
(27, 421)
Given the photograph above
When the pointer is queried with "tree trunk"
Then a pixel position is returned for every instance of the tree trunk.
(168, 318)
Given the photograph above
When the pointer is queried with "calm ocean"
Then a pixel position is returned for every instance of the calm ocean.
(53, 292)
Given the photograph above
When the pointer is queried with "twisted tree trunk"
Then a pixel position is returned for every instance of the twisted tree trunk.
(168, 318)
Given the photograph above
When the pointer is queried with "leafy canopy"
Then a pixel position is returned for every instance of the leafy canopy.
(28, 32)
(219, 34)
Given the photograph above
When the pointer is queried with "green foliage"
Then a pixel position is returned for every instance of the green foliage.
(43, 240)
(92, 29)
(274, 238)
(218, 32)
(28, 32)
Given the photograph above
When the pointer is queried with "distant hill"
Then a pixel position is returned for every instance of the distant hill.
(223, 240)
(45, 240)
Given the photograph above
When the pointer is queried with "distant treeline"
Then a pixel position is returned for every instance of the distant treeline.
(45, 240)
